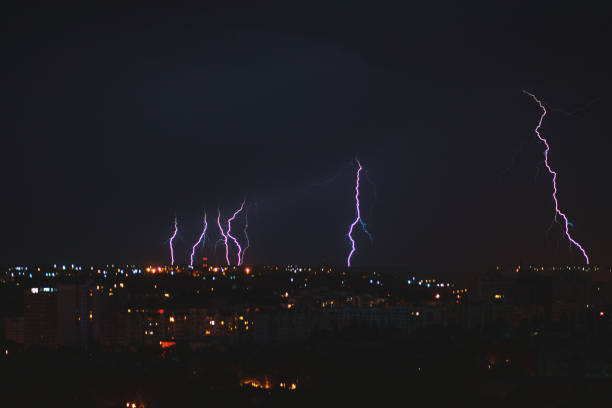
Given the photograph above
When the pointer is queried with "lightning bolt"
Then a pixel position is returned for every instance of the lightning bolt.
(363, 224)
(246, 226)
(365, 229)
(224, 240)
(229, 229)
(357, 216)
(554, 178)
(172, 241)
(193, 250)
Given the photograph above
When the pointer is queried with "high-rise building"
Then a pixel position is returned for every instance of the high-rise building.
(78, 314)
(13, 329)
(40, 317)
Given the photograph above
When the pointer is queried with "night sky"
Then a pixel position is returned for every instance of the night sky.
(117, 119)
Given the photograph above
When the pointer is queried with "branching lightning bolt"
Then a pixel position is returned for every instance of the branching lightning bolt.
(365, 229)
(172, 241)
(246, 227)
(202, 237)
(554, 178)
(357, 216)
(229, 234)
(224, 240)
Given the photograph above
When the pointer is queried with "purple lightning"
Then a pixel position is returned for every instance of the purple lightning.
(357, 217)
(172, 240)
(554, 178)
(229, 229)
(224, 240)
(193, 250)
(246, 226)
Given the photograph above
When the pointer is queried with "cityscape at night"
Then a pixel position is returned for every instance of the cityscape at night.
(306, 204)
(271, 334)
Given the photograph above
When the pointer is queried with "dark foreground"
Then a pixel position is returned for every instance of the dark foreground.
(435, 367)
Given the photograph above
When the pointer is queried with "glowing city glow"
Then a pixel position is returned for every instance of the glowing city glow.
(202, 237)
(172, 241)
(224, 240)
(554, 178)
(229, 233)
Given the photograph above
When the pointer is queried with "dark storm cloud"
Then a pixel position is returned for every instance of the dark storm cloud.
(126, 116)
